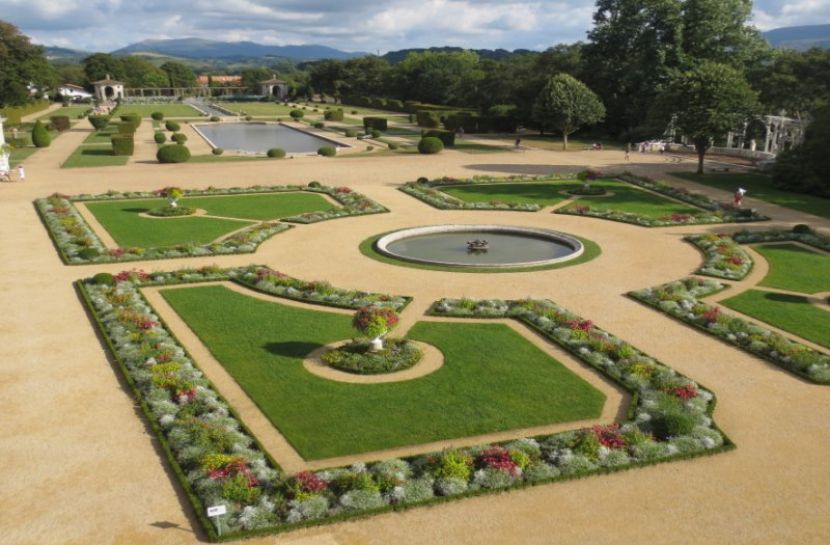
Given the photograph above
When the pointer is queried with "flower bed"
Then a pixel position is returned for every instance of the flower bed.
(810, 238)
(356, 357)
(172, 211)
(724, 257)
(217, 461)
(426, 191)
(680, 300)
(77, 243)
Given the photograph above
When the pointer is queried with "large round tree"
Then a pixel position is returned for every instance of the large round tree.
(566, 104)
(23, 64)
(705, 103)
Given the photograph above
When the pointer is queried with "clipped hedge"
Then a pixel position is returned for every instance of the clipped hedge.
(333, 115)
(40, 136)
(428, 119)
(447, 137)
(122, 144)
(60, 122)
(99, 122)
(178, 138)
(173, 153)
(157, 116)
(379, 123)
(172, 126)
(132, 119)
(159, 137)
(429, 145)
(276, 153)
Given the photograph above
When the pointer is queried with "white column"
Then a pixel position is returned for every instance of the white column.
(4, 156)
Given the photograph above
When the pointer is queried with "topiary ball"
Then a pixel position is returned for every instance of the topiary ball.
(327, 151)
(178, 138)
(158, 116)
(375, 133)
(103, 279)
(429, 145)
(173, 153)
(314, 184)
(276, 153)
(172, 126)
(802, 229)
(217, 151)
(159, 137)
(296, 114)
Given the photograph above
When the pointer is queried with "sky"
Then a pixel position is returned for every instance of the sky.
(349, 25)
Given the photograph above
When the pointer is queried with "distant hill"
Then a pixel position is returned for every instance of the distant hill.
(800, 38)
(62, 54)
(493, 54)
(197, 48)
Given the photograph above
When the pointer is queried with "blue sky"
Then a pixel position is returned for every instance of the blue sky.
(351, 25)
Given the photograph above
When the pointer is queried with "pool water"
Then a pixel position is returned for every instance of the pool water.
(260, 137)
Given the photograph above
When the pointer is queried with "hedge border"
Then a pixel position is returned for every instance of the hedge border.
(244, 241)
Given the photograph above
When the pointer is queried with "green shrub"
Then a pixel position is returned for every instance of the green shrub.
(802, 229)
(40, 136)
(126, 127)
(172, 126)
(296, 114)
(430, 120)
(503, 117)
(248, 118)
(158, 116)
(159, 137)
(375, 133)
(429, 145)
(178, 138)
(392, 145)
(132, 119)
(173, 153)
(103, 279)
(122, 144)
(351, 133)
(315, 184)
(446, 137)
(379, 123)
(89, 253)
(217, 151)
(276, 153)
(672, 423)
(99, 122)
(354, 112)
(318, 125)
(327, 151)
(60, 122)
(333, 115)
(214, 118)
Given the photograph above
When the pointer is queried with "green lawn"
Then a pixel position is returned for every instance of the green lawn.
(477, 147)
(554, 143)
(791, 313)
(625, 197)
(210, 158)
(121, 220)
(96, 155)
(759, 186)
(101, 137)
(72, 111)
(492, 379)
(795, 268)
(266, 109)
(18, 155)
(169, 110)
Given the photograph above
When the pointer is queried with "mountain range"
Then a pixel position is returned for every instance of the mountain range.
(799, 38)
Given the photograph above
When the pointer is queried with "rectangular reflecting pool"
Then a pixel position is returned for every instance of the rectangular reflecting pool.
(260, 137)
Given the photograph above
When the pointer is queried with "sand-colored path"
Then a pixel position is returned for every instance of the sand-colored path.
(79, 466)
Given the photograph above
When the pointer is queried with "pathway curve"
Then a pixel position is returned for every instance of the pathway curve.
(80, 467)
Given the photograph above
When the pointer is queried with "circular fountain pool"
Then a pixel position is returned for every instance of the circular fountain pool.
(480, 246)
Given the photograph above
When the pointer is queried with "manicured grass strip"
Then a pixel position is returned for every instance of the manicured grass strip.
(72, 111)
(791, 313)
(127, 228)
(169, 110)
(367, 248)
(98, 155)
(554, 143)
(795, 268)
(120, 218)
(262, 109)
(627, 198)
(224, 158)
(18, 155)
(101, 137)
(543, 194)
(492, 379)
(477, 147)
(759, 186)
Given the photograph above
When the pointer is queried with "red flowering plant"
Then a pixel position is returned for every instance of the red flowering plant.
(497, 457)
(689, 391)
(680, 218)
(172, 194)
(375, 321)
(343, 189)
(711, 315)
(239, 484)
(587, 176)
(581, 325)
(306, 484)
(135, 275)
(609, 436)
(582, 208)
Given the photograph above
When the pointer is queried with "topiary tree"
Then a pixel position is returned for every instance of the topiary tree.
(566, 104)
(159, 137)
(429, 145)
(296, 114)
(276, 153)
(99, 122)
(158, 116)
(172, 126)
(40, 136)
(172, 194)
(122, 144)
(173, 153)
(375, 322)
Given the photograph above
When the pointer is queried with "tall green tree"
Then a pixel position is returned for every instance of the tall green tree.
(705, 103)
(566, 104)
(178, 74)
(795, 83)
(142, 73)
(805, 167)
(438, 77)
(21, 64)
(251, 77)
(98, 65)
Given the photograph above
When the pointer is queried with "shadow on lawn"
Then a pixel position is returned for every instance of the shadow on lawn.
(292, 349)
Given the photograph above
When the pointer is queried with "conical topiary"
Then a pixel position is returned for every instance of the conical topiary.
(40, 136)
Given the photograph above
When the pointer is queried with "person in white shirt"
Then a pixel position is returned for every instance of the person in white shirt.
(21, 173)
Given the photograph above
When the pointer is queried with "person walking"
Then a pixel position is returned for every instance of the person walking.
(739, 197)
(21, 173)
(518, 143)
